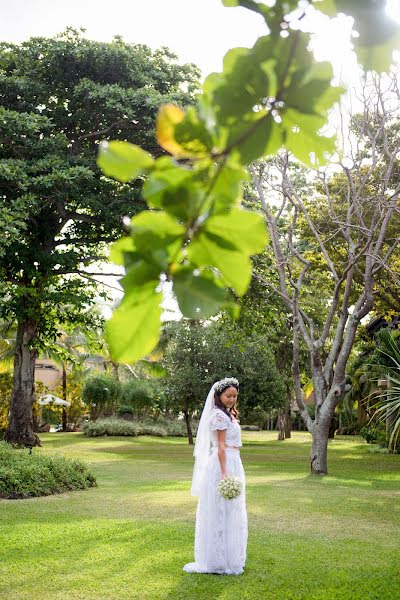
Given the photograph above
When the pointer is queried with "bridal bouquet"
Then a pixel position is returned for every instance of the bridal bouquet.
(230, 487)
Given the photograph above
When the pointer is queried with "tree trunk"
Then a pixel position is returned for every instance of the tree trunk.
(115, 370)
(319, 449)
(362, 413)
(20, 427)
(288, 422)
(334, 424)
(288, 426)
(281, 424)
(188, 426)
(64, 389)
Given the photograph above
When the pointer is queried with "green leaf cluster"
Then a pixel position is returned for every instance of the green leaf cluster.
(196, 234)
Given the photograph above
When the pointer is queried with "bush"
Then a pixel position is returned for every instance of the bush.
(125, 409)
(374, 434)
(109, 426)
(150, 429)
(257, 417)
(117, 426)
(101, 392)
(139, 395)
(351, 429)
(6, 386)
(24, 475)
(177, 428)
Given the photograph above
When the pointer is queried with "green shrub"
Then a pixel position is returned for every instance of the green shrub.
(177, 428)
(125, 409)
(109, 426)
(258, 417)
(24, 475)
(118, 426)
(139, 395)
(101, 393)
(150, 429)
(374, 434)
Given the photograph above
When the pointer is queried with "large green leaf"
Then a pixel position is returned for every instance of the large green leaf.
(249, 79)
(301, 137)
(244, 228)
(134, 329)
(227, 189)
(122, 160)
(120, 249)
(214, 251)
(175, 189)
(379, 57)
(310, 90)
(198, 295)
(143, 270)
(152, 229)
(257, 135)
(167, 175)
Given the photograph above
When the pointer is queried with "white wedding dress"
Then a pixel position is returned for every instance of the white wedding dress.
(221, 525)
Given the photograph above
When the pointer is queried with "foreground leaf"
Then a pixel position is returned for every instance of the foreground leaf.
(198, 295)
(122, 160)
(134, 328)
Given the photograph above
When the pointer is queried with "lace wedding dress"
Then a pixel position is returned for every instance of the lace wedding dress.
(221, 525)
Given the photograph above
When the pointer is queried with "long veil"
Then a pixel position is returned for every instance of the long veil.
(202, 446)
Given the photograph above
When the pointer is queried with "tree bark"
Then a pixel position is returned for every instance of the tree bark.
(115, 370)
(188, 426)
(288, 424)
(319, 451)
(64, 388)
(334, 424)
(20, 427)
(362, 413)
(281, 425)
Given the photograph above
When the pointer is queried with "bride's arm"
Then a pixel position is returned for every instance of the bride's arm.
(221, 451)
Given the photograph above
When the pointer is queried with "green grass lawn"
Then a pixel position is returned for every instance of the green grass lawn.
(309, 538)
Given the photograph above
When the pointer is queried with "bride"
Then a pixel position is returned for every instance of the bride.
(221, 525)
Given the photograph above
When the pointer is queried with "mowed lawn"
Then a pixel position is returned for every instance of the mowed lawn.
(309, 538)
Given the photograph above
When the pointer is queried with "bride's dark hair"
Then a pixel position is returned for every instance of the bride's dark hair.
(218, 403)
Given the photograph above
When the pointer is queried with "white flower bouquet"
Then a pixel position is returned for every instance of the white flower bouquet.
(230, 487)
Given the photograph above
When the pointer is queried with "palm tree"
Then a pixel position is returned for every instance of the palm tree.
(71, 348)
(386, 365)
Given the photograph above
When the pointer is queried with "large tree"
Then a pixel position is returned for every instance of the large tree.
(347, 233)
(196, 354)
(58, 212)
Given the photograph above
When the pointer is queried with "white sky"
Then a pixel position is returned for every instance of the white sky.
(199, 31)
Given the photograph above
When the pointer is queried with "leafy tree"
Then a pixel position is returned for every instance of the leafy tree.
(339, 239)
(197, 354)
(101, 393)
(58, 96)
(140, 394)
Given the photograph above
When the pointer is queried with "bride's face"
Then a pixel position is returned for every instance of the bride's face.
(229, 397)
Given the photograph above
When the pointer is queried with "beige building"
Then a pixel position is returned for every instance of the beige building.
(48, 373)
